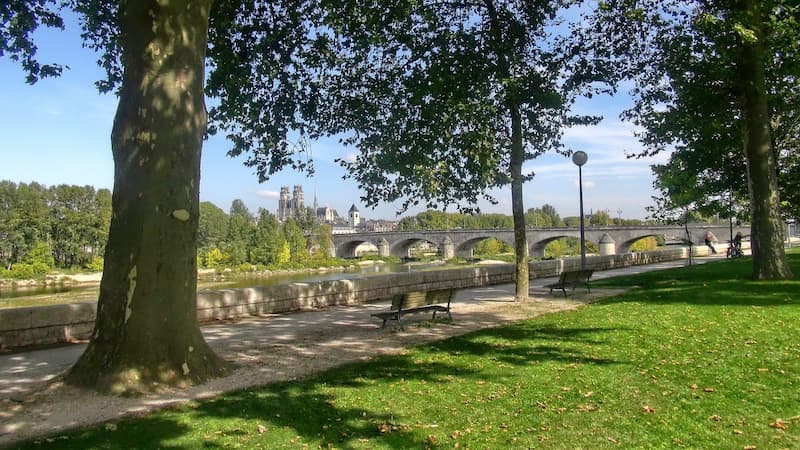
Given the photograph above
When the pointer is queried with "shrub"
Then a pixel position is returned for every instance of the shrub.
(96, 265)
(40, 255)
(22, 270)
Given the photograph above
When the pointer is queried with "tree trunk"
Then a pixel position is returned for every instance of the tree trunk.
(769, 258)
(517, 208)
(146, 332)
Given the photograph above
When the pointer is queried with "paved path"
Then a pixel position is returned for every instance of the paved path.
(277, 347)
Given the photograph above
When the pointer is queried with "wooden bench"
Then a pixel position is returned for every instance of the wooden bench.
(418, 301)
(573, 279)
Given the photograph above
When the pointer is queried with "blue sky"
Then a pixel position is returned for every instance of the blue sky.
(58, 132)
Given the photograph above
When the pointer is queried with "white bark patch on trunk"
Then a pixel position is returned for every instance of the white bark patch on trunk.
(131, 289)
(185, 368)
(181, 214)
(191, 349)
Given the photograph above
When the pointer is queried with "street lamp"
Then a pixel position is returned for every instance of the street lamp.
(580, 158)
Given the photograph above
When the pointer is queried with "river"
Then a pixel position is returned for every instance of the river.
(11, 297)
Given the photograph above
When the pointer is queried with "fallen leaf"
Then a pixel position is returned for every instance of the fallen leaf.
(694, 386)
(735, 431)
(612, 440)
(431, 440)
(715, 418)
(261, 429)
(779, 424)
(763, 369)
(708, 389)
(749, 447)
(648, 409)
(588, 394)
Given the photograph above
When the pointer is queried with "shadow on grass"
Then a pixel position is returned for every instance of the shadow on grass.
(719, 283)
(319, 411)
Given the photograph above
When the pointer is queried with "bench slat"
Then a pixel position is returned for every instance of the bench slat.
(418, 301)
(573, 279)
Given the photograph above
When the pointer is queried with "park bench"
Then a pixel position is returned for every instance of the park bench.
(416, 302)
(573, 279)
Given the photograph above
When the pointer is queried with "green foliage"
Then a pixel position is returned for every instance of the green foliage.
(215, 258)
(28, 270)
(491, 247)
(18, 23)
(546, 216)
(40, 255)
(96, 265)
(213, 227)
(74, 221)
(646, 244)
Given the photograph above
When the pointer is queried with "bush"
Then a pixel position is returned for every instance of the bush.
(40, 255)
(96, 265)
(22, 271)
(243, 267)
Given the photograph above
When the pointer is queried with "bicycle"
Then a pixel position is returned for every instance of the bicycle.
(734, 251)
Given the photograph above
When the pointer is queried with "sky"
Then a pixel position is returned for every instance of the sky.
(58, 130)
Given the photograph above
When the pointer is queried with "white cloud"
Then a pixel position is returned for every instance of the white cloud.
(350, 157)
(267, 194)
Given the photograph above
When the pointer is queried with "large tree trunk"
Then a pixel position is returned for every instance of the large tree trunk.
(517, 208)
(769, 258)
(146, 332)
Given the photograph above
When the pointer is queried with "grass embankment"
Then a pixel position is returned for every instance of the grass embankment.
(697, 357)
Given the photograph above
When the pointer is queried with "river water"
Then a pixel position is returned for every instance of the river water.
(27, 296)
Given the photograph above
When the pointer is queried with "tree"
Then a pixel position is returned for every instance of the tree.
(448, 99)
(146, 329)
(213, 226)
(267, 240)
(712, 65)
(240, 233)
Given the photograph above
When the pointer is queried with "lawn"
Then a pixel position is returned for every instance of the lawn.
(696, 357)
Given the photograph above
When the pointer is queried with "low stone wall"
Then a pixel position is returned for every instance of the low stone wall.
(42, 325)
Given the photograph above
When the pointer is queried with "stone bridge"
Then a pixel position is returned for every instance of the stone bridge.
(451, 243)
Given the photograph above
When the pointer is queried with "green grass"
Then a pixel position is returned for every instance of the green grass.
(697, 357)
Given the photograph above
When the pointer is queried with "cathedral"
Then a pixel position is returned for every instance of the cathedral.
(290, 206)
(294, 205)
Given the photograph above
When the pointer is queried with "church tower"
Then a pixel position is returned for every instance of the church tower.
(355, 216)
(283, 204)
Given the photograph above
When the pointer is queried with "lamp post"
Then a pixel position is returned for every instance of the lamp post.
(580, 158)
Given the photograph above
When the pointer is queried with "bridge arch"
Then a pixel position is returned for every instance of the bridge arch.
(465, 248)
(537, 248)
(401, 248)
(348, 249)
(625, 246)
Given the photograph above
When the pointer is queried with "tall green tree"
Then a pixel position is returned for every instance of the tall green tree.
(155, 54)
(715, 77)
(448, 99)
(241, 226)
(213, 226)
(267, 241)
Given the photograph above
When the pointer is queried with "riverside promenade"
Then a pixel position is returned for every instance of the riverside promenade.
(35, 402)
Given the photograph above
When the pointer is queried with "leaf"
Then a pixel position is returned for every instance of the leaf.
(715, 418)
(648, 409)
(261, 429)
(708, 389)
(779, 424)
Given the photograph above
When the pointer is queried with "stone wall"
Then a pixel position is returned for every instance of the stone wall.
(42, 325)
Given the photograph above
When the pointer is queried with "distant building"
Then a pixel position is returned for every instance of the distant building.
(290, 206)
(326, 214)
(380, 226)
(355, 216)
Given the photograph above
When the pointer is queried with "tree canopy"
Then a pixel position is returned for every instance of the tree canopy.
(718, 84)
